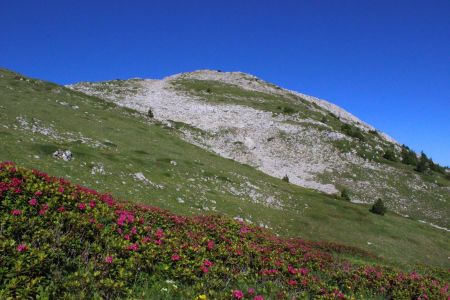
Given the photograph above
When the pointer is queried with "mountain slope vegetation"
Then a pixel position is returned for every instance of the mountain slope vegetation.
(132, 156)
(280, 132)
(59, 240)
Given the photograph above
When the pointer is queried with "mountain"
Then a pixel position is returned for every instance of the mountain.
(166, 162)
(280, 132)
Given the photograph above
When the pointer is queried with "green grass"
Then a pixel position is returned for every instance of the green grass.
(128, 143)
(217, 92)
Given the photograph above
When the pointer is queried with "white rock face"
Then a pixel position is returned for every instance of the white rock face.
(258, 138)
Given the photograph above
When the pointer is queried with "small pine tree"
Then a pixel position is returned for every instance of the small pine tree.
(423, 164)
(150, 113)
(378, 207)
(345, 194)
(408, 156)
(285, 178)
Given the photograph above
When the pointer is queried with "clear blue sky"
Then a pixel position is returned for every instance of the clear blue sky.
(388, 62)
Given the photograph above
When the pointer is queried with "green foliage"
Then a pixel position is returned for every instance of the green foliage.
(390, 155)
(285, 178)
(378, 207)
(408, 156)
(423, 165)
(64, 241)
(288, 110)
(150, 113)
(345, 194)
(353, 131)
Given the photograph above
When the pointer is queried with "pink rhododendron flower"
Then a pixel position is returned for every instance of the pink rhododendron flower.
(32, 201)
(124, 217)
(61, 209)
(133, 247)
(92, 204)
(338, 294)
(204, 269)
(133, 230)
(292, 282)
(251, 291)
(210, 244)
(269, 272)
(237, 294)
(22, 248)
(16, 212)
(38, 193)
(82, 206)
(61, 189)
(208, 263)
(245, 230)
(259, 297)
(292, 270)
(127, 237)
(414, 276)
(175, 257)
(158, 242)
(44, 209)
(109, 259)
(159, 233)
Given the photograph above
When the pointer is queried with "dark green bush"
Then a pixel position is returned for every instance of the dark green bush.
(353, 131)
(345, 194)
(378, 207)
(285, 178)
(408, 156)
(423, 165)
(288, 110)
(390, 155)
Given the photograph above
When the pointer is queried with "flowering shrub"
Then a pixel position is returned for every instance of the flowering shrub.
(61, 240)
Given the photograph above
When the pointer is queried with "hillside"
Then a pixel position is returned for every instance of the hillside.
(123, 152)
(59, 240)
(280, 132)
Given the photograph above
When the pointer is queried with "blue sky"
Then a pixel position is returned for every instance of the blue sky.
(387, 62)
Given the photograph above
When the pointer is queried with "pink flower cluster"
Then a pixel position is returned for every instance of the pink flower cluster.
(207, 264)
(125, 217)
(16, 212)
(238, 294)
(22, 248)
(133, 247)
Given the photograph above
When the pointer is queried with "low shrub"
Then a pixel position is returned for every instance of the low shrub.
(378, 207)
(345, 194)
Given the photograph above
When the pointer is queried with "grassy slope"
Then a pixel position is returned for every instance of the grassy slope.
(130, 143)
(422, 197)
